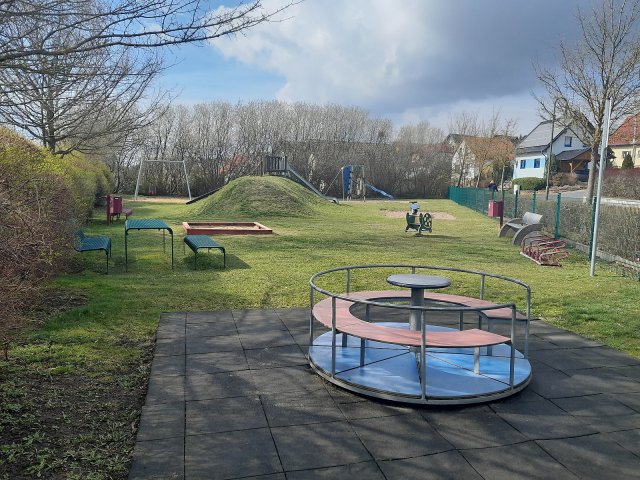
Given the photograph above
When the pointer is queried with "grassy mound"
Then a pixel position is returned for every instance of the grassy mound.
(258, 197)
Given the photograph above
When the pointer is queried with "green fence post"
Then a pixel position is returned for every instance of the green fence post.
(593, 220)
(558, 217)
(515, 203)
(533, 202)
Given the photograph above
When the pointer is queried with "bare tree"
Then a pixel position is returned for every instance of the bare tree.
(130, 23)
(79, 101)
(604, 64)
(461, 125)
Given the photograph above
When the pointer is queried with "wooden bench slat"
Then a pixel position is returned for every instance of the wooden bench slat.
(347, 323)
(497, 314)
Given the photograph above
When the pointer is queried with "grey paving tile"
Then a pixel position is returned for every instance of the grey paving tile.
(400, 436)
(594, 456)
(219, 385)
(255, 314)
(170, 330)
(537, 327)
(318, 445)
(168, 365)
(541, 420)
(173, 317)
(221, 343)
(631, 400)
(300, 408)
(268, 357)
(286, 379)
(340, 395)
(260, 326)
(606, 380)
(476, 427)
(292, 312)
(440, 466)
(158, 459)
(163, 389)
(372, 409)
(568, 340)
(579, 358)
(208, 317)
(551, 383)
(537, 344)
(631, 371)
(627, 439)
(216, 362)
(364, 470)
(161, 421)
(594, 406)
(612, 423)
(270, 338)
(323, 431)
(525, 460)
(301, 336)
(169, 346)
(273, 476)
(211, 329)
(224, 415)
(298, 321)
(229, 455)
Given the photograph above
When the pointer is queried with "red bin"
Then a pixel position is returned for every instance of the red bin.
(495, 208)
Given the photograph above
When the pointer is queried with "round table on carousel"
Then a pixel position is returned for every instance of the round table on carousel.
(418, 283)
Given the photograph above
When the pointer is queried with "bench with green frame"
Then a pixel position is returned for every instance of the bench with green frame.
(90, 244)
(420, 222)
(196, 242)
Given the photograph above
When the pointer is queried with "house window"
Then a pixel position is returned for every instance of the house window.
(536, 163)
(523, 164)
(567, 141)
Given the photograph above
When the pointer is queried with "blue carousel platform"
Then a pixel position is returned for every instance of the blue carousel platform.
(393, 372)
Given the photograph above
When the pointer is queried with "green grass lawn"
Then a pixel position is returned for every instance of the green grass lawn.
(73, 389)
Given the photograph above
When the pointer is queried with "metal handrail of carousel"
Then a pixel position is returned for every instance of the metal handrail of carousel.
(424, 308)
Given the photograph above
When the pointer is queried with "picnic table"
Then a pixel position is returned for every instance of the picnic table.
(146, 224)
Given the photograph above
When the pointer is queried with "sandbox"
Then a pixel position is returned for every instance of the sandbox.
(225, 228)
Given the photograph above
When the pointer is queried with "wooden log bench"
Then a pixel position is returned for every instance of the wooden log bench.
(84, 243)
(196, 242)
(521, 227)
(348, 324)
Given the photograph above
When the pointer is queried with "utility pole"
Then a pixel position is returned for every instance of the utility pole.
(604, 145)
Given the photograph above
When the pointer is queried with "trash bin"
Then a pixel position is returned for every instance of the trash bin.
(495, 208)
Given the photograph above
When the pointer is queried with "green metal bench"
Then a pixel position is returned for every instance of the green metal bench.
(422, 222)
(196, 242)
(91, 244)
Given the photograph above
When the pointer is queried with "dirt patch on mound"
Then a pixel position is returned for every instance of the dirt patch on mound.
(435, 215)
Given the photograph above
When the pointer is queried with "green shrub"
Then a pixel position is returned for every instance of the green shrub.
(42, 199)
(622, 183)
(530, 183)
(627, 161)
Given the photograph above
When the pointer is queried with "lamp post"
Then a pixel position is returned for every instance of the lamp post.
(548, 162)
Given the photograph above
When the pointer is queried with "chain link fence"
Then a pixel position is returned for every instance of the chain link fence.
(571, 219)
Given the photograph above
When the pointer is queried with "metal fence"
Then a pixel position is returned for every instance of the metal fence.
(570, 218)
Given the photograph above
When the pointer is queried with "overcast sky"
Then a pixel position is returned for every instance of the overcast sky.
(406, 60)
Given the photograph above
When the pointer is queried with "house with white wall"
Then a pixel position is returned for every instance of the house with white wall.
(474, 156)
(533, 151)
(626, 141)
